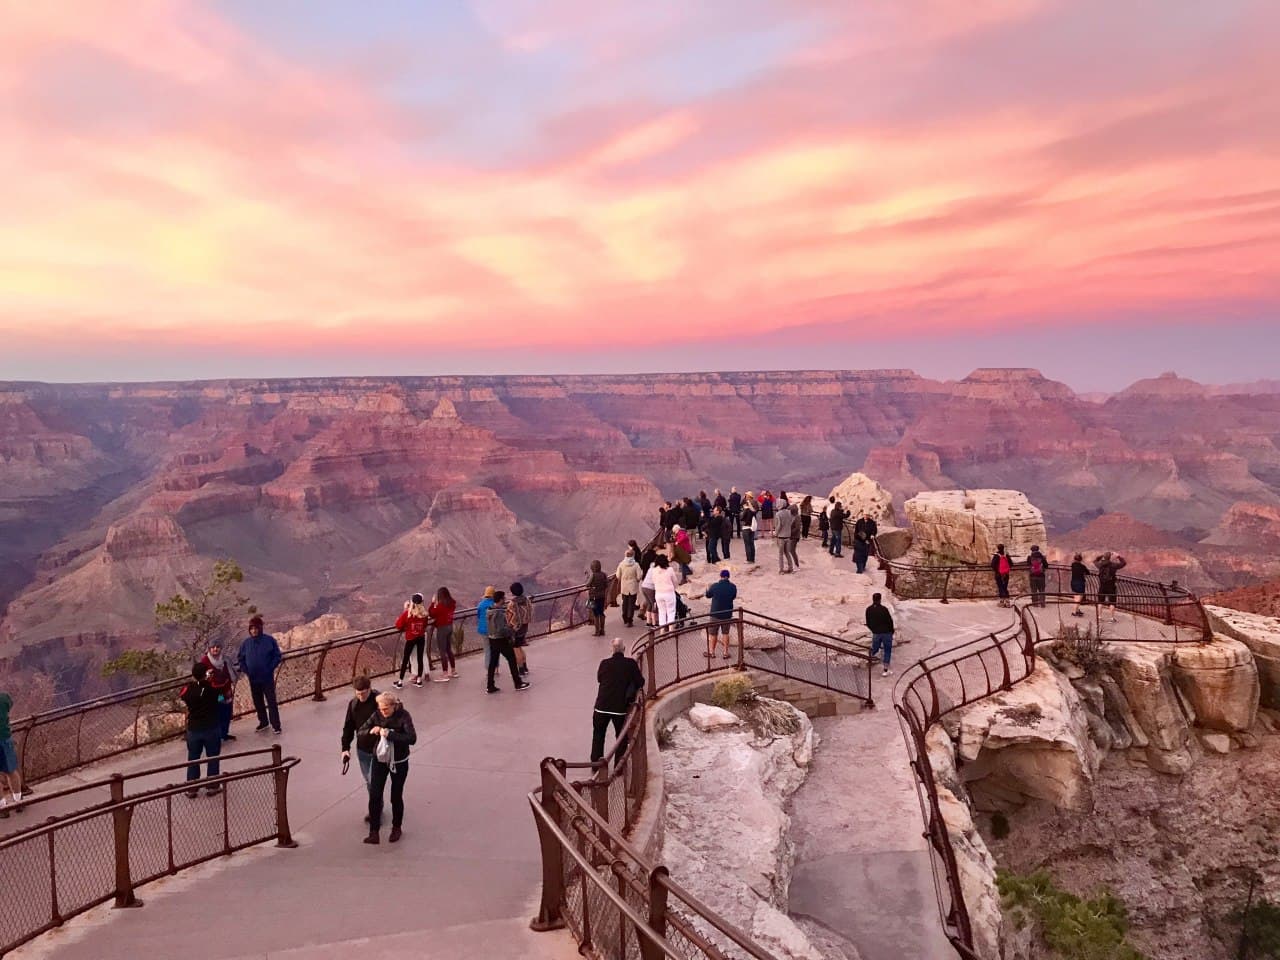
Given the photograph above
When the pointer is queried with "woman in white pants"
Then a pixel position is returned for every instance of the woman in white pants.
(664, 589)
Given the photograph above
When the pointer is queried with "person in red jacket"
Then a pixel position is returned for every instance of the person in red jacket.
(413, 624)
(440, 613)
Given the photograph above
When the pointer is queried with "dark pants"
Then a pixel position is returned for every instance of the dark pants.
(860, 561)
(419, 646)
(444, 645)
(826, 535)
(837, 536)
(749, 544)
(724, 544)
(628, 608)
(600, 726)
(804, 525)
(1037, 591)
(225, 710)
(502, 648)
(712, 555)
(736, 520)
(1002, 585)
(379, 773)
(264, 702)
(208, 741)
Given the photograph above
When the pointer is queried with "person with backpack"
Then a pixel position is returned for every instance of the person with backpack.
(204, 732)
(1037, 571)
(597, 591)
(257, 659)
(1001, 566)
(1108, 568)
(361, 707)
(629, 576)
(519, 616)
(440, 614)
(880, 622)
(1079, 581)
(500, 644)
(750, 526)
(412, 622)
(393, 729)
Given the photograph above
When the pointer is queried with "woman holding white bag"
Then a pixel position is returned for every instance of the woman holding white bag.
(393, 727)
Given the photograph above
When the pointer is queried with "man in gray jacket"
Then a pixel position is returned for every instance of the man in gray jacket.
(782, 521)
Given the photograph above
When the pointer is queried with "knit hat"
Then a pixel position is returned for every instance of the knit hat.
(488, 592)
(724, 574)
(256, 621)
(517, 589)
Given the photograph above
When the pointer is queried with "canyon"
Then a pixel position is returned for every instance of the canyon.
(343, 495)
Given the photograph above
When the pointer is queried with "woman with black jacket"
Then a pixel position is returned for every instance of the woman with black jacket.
(391, 722)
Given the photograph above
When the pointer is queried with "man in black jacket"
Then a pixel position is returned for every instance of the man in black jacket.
(204, 729)
(735, 512)
(620, 682)
(363, 705)
(880, 623)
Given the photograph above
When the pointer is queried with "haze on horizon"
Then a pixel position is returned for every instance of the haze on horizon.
(311, 188)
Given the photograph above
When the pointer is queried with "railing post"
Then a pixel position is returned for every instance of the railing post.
(549, 915)
(318, 694)
(650, 670)
(657, 914)
(284, 838)
(121, 818)
(742, 664)
(946, 584)
(1168, 607)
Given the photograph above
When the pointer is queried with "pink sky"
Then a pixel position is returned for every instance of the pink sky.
(295, 184)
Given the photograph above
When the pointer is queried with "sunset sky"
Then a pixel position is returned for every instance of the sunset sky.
(297, 187)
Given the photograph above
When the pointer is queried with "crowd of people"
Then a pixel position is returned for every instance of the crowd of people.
(1106, 565)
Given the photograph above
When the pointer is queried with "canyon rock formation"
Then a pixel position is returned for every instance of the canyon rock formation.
(965, 526)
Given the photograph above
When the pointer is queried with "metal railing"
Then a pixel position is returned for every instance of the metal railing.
(105, 851)
(935, 686)
(60, 740)
(618, 903)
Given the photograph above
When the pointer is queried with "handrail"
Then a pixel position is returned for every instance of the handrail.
(65, 738)
(145, 844)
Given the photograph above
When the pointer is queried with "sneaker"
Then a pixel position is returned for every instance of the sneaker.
(260, 727)
(395, 835)
(441, 679)
(398, 684)
(192, 793)
(276, 732)
(885, 672)
(417, 681)
(491, 690)
(524, 671)
(524, 686)
(215, 789)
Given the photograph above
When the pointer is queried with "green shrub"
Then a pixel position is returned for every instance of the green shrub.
(1262, 928)
(733, 690)
(1082, 648)
(1072, 927)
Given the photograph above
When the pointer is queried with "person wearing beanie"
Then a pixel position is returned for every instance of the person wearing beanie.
(723, 594)
(412, 622)
(519, 616)
(258, 658)
(222, 676)
(203, 730)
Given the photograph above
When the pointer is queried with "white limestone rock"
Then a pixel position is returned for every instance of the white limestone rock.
(706, 717)
(860, 494)
(1262, 636)
(965, 525)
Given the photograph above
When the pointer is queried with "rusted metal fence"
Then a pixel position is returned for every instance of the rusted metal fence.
(64, 739)
(618, 903)
(121, 840)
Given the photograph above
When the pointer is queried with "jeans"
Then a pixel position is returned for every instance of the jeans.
(628, 608)
(883, 641)
(724, 544)
(207, 740)
(1037, 591)
(502, 648)
(712, 555)
(365, 760)
(378, 776)
(264, 702)
(686, 570)
(599, 727)
(418, 645)
(1002, 585)
(837, 537)
(225, 710)
(444, 646)
(749, 544)
(784, 554)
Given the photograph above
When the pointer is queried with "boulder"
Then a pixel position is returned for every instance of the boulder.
(1261, 635)
(1144, 675)
(706, 717)
(894, 542)
(1216, 742)
(860, 494)
(1030, 742)
(965, 525)
(1220, 683)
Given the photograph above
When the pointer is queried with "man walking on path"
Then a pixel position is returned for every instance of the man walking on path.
(204, 735)
(723, 594)
(782, 532)
(500, 643)
(880, 623)
(258, 658)
(363, 705)
(1001, 566)
(620, 682)
(10, 769)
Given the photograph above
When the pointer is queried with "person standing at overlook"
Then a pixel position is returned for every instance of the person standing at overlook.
(482, 622)
(1108, 568)
(203, 730)
(824, 527)
(1079, 581)
(10, 768)
(629, 577)
(836, 517)
(715, 531)
(412, 622)
(683, 551)
(782, 532)
(750, 522)
(619, 681)
(794, 540)
(690, 517)
(519, 616)
(597, 590)
(880, 622)
(664, 590)
(735, 511)
(719, 501)
(1001, 566)
(257, 659)
(390, 723)
(766, 513)
(1037, 571)
(222, 677)
(723, 594)
(806, 516)
(440, 615)
(500, 644)
(861, 551)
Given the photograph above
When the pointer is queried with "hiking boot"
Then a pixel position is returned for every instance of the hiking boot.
(373, 837)
(395, 835)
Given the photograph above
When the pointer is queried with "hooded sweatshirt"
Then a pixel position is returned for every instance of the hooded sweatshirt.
(258, 658)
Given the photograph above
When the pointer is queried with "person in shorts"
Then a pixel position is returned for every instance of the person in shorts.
(723, 594)
(10, 769)
(519, 615)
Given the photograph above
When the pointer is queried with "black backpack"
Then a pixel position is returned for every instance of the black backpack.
(496, 621)
(682, 608)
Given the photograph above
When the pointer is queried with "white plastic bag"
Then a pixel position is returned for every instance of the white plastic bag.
(385, 752)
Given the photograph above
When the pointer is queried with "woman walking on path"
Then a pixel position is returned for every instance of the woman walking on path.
(413, 624)
(222, 677)
(1079, 577)
(664, 589)
(597, 590)
(393, 727)
(440, 613)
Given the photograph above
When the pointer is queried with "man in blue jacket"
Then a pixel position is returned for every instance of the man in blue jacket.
(258, 658)
(723, 594)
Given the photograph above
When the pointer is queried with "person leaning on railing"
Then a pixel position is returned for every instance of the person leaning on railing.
(10, 769)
